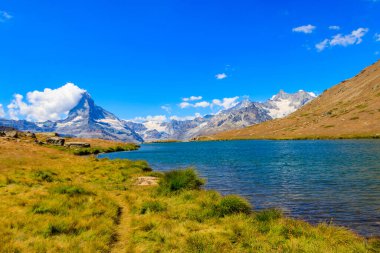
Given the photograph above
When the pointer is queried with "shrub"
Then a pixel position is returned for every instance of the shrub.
(143, 165)
(152, 206)
(177, 180)
(70, 190)
(41, 208)
(232, 204)
(46, 176)
(81, 152)
(268, 215)
(58, 228)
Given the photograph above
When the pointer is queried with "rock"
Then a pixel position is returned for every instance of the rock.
(55, 141)
(11, 134)
(147, 181)
(50, 134)
(31, 135)
(77, 144)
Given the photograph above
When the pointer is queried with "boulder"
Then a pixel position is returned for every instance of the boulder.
(55, 141)
(31, 135)
(78, 144)
(11, 134)
(147, 181)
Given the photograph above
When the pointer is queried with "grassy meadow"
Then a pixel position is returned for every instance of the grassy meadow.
(54, 201)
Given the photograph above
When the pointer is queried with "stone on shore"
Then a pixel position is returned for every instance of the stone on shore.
(147, 181)
(55, 141)
(77, 144)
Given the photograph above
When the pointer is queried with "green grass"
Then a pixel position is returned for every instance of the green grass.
(233, 204)
(178, 180)
(99, 150)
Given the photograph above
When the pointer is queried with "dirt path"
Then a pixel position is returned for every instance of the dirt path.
(122, 231)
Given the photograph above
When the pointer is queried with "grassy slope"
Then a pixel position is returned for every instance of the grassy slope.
(53, 201)
(97, 146)
(348, 110)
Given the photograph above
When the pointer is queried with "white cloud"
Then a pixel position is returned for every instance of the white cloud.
(221, 76)
(322, 45)
(4, 16)
(334, 27)
(304, 29)
(166, 108)
(181, 118)
(354, 38)
(226, 103)
(202, 104)
(377, 36)
(2, 113)
(350, 39)
(192, 98)
(50, 104)
(184, 105)
(156, 118)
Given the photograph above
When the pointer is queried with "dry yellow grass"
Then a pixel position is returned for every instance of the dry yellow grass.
(350, 109)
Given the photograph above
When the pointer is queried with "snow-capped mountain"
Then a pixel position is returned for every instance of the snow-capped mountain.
(283, 104)
(245, 113)
(88, 120)
(85, 120)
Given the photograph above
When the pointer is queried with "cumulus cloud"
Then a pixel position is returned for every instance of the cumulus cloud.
(192, 98)
(4, 16)
(377, 36)
(226, 103)
(334, 27)
(184, 105)
(2, 112)
(304, 29)
(221, 76)
(150, 118)
(181, 118)
(166, 108)
(202, 104)
(354, 38)
(50, 104)
(322, 45)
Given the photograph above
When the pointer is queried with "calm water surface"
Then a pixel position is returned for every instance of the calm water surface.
(317, 181)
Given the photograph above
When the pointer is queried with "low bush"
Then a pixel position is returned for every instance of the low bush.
(177, 180)
(143, 165)
(268, 215)
(46, 176)
(70, 190)
(232, 204)
(152, 206)
(58, 228)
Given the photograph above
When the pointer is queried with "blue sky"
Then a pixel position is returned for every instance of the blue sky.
(134, 57)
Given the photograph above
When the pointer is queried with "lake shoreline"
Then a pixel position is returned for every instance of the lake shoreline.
(263, 184)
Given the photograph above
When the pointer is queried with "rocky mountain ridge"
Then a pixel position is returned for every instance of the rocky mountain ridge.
(350, 109)
(245, 113)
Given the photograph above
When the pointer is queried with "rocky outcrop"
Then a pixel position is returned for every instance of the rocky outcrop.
(77, 145)
(57, 141)
(11, 134)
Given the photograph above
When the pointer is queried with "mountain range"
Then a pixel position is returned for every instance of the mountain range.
(350, 109)
(87, 120)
